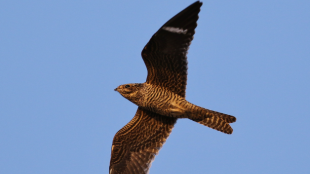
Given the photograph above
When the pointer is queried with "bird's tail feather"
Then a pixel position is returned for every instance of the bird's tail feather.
(227, 118)
(216, 120)
(217, 123)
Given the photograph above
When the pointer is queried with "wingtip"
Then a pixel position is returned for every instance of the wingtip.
(198, 2)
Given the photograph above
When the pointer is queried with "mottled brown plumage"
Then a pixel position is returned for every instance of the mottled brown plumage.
(161, 99)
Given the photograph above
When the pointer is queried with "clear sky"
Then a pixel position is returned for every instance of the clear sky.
(61, 60)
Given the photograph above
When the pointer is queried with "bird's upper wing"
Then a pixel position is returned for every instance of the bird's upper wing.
(165, 54)
(134, 146)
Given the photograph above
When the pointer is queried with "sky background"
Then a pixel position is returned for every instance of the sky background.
(61, 60)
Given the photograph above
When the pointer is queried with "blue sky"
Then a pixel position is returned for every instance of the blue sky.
(61, 60)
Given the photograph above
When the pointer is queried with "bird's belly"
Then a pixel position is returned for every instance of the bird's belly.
(176, 110)
(170, 109)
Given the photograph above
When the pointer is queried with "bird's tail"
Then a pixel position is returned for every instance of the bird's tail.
(217, 121)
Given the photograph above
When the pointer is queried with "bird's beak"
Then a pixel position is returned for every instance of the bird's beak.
(115, 89)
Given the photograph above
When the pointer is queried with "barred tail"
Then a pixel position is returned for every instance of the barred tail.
(227, 118)
(217, 123)
(215, 120)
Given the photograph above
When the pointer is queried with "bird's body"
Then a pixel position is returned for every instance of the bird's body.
(161, 99)
(164, 102)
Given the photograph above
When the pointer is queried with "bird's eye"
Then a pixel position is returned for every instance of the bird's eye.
(127, 86)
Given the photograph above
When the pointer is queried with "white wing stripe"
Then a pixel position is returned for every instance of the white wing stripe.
(175, 30)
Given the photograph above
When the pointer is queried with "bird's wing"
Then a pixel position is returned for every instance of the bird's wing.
(134, 146)
(165, 54)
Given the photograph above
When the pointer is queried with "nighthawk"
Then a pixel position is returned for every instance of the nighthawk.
(161, 99)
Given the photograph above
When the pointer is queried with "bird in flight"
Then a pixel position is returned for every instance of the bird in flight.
(161, 99)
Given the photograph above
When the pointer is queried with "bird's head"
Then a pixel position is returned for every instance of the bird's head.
(130, 91)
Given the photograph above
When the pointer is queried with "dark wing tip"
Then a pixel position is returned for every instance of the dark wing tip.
(186, 17)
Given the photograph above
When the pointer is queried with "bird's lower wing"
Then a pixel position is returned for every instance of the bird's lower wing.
(134, 146)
